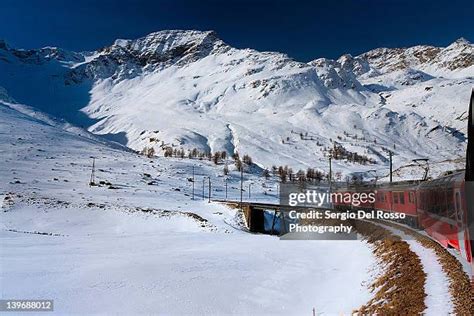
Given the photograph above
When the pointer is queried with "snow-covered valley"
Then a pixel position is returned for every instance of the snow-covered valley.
(133, 247)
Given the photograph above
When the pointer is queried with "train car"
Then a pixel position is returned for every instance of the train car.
(442, 211)
(437, 206)
(399, 197)
(383, 199)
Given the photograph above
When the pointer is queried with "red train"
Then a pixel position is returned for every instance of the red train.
(437, 207)
(443, 208)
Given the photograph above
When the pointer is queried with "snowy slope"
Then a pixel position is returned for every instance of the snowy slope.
(189, 89)
(131, 246)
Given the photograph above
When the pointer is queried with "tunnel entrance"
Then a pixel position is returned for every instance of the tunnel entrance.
(263, 219)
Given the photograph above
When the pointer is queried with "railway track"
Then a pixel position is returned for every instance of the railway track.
(460, 283)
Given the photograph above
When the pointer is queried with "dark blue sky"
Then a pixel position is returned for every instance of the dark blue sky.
(303, 29)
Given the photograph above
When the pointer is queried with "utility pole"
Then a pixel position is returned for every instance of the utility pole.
(209, 201)
(203, 182)
(426, 167)
(391, 168)
(92, 180)
(241, 185)
(330, 172)
(225, 181)
(249, 189)
(193, 183)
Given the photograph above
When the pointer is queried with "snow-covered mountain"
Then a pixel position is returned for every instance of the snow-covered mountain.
(189, 89)
(145, 229)
(456, 60)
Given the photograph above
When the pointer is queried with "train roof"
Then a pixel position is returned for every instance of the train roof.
(448, 180)
(399, 184)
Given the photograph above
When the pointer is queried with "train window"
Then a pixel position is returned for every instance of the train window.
(430, 201)
(444, 202)
(402, 197)
(451, 212)
(432, 207)
(437, 202)
(458, 202)
(427, 201)
(395, 198)
(411, 197)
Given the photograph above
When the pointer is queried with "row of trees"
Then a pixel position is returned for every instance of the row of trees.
(217, 157)
(194, 153)
(148, 151)
(338, 152)
(239, 162)
(286, 173)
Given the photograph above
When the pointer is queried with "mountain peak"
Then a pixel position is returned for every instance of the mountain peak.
(170, 44)
(462, 41)
(170, 38)
(181, 33)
